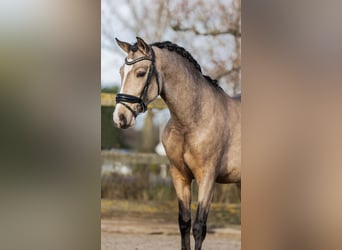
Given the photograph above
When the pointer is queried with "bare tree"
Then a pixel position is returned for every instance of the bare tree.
(210, 30)
(219, 21)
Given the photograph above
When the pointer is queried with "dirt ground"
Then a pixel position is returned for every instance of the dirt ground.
(141, 234)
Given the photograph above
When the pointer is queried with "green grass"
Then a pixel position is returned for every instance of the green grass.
(220, 215)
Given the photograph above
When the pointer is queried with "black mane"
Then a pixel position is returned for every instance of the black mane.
(184, 53)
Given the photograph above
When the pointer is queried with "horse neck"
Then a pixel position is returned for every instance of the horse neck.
(184, 89)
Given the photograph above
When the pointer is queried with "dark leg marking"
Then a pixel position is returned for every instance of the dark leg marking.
(184, 220)
(199, 229)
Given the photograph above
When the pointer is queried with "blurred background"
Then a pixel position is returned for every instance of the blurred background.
(50, 124)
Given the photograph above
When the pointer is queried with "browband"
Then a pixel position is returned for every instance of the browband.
(137, 60)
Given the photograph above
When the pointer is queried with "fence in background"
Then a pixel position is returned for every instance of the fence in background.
(138, 176)
(145, 176)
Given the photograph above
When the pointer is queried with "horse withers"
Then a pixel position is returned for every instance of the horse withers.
(202, 139)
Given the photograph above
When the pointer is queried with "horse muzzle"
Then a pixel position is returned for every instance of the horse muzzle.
(122, 117)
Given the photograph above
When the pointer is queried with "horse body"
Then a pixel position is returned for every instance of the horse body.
(204, 128)
(202, 137)
(202, 141)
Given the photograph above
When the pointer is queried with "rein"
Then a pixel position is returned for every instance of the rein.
(124, 98)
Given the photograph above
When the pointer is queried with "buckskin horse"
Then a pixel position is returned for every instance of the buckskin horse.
(202, 139)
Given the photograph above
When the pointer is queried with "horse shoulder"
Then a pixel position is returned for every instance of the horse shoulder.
(173, 142)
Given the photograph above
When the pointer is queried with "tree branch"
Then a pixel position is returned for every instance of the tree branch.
(233, 31)
(227, 72)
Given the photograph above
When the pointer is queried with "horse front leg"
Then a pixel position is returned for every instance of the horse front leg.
(205, 195)
(182, 186)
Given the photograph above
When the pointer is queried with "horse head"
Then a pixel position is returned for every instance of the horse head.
(139, 82)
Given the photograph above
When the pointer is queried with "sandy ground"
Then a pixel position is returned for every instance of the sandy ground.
(139, 234)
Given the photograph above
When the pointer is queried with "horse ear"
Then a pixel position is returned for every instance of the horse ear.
(123, 45)
(143, 46)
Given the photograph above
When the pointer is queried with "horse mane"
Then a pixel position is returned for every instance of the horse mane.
(184, 53)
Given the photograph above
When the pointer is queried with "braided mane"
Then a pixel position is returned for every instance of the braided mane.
(184, 53)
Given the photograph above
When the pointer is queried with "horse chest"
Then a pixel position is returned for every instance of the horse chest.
(197, 154)
(214, 158)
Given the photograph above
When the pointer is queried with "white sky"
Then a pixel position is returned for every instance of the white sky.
(112, 59)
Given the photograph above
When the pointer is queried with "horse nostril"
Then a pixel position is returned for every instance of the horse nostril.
(122, 120)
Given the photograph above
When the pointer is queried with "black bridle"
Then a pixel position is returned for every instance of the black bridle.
(123, 98)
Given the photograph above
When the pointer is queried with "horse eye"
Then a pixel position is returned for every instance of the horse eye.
(141, 74)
